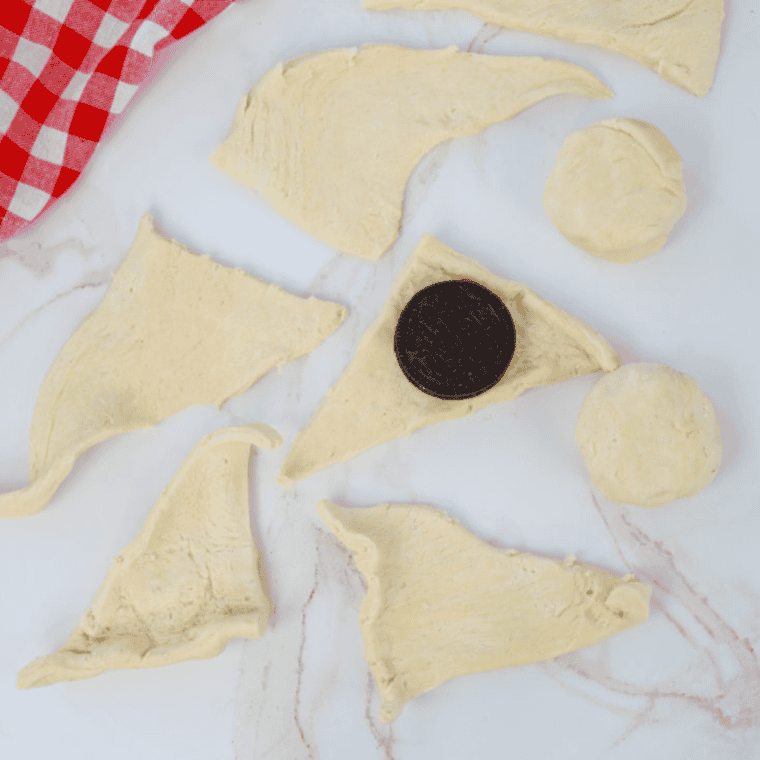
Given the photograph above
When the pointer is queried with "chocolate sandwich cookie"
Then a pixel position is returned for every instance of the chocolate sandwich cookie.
(454, 339)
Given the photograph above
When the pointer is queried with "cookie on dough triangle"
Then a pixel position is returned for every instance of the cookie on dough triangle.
(187, 584)
(442, 603)
(175, 329)
(373, 402)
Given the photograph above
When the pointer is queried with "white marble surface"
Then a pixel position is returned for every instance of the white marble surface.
(686, 684)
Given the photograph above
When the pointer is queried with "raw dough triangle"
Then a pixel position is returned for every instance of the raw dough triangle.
(174, 329)
(330, 139)
(442, 603)
(187, 584)
(373, 402)
(679, 39)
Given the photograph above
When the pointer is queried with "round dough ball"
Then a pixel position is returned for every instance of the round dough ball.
(649, 435)
(616, 189)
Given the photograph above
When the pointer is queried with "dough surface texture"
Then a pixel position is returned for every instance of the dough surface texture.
(174, 329)
(372, 402)
(330, 139)
(187, 584)
(442, 603)
(616, 189)
(649, 435)
(679, 39)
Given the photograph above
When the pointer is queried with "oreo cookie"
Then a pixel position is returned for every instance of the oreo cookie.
(454, 339)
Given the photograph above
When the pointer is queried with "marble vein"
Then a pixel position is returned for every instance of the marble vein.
(735, 704)
(381, 732)
(19, 326)
(485, 34)
(300, 666)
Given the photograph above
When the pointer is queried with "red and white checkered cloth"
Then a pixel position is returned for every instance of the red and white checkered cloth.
(67, 69)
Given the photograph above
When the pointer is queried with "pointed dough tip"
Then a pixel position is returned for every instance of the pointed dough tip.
(148, 351)
(425, 618)
(342, 178)
(259, 434)
(189, 581)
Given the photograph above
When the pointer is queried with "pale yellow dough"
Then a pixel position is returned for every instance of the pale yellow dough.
(373, 402)
(442, 603)
(330, 139)
(174, 329)
(649, 435)
(679, 39)
(616, 189)
(187, 584)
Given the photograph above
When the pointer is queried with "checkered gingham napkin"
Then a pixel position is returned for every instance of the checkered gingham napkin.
(67, 68)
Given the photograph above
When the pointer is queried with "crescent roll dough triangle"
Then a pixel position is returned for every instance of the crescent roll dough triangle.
(373, 402)
(174, 329)
(187, 584)
(679, 39)
(330, 139)
(442, 603)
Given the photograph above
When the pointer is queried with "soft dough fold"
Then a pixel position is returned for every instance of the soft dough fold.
(442, 603)
(175, 329)
(187, 584)
(330, 139)
(373, 402)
